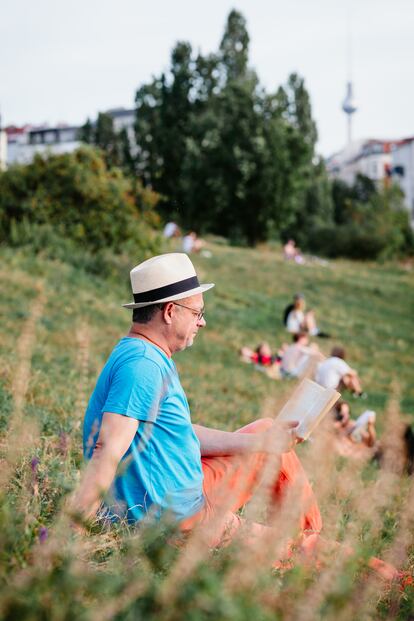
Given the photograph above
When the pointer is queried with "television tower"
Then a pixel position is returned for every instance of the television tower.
(349, 105)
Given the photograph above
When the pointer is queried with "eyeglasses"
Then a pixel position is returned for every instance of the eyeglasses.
(198, 313)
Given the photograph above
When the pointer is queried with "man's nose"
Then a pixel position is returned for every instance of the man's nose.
(201, 322)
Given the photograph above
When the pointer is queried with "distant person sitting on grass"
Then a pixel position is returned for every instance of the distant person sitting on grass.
(360, 431)
(171, 229)
(335, 373)
(297, 319)
(192, 243)
(299, 356)
(358, 439)
(292, 253)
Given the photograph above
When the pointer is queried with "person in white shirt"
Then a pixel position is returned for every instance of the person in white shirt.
(297, 357)
(171, 230)
(335, 373)
(298, 319)
(192, 243)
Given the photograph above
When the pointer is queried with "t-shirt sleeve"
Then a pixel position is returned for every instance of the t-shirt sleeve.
(342, 367)
(136, 390)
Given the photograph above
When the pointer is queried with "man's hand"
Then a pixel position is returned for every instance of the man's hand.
(279, 438)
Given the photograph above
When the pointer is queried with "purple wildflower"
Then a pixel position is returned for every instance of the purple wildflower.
(43, 534)
(34, 463)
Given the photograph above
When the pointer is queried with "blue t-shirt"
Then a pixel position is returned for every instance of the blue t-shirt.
(162, 468)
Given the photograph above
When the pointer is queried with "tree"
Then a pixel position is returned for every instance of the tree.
(234, 47)
(87, 133)
(115, 146)
(162, 126)
(226, 156)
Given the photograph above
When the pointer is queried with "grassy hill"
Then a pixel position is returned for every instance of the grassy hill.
(58, 326)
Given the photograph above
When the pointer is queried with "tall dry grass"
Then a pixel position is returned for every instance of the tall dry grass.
(22, 432)
(164, 578)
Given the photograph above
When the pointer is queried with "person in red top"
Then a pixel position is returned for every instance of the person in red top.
(262, 354)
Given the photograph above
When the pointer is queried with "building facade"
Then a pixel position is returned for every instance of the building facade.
(383, 161)
(3, 149)
(403, 171)
(25, 142)
(372, 158)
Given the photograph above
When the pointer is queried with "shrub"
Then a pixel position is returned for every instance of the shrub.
(74, 200)
(348, 240)
(376, 229)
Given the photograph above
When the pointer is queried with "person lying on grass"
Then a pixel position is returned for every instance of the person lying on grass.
(262, 355)
(355, 438)
(141, 443)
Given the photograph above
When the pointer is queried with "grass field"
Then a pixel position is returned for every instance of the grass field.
(58, 326)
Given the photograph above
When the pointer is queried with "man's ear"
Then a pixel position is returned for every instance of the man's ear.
(168, 312)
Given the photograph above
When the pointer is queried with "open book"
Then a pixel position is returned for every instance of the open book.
(308, 404)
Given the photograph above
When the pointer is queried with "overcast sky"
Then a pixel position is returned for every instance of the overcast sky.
(64, 61)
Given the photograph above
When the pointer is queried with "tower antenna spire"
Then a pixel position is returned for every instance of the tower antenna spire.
(349, 105)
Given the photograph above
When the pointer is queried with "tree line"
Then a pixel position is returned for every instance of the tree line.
(226, 156)
(229, 158)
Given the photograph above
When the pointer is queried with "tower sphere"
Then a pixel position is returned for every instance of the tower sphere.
(349, 104)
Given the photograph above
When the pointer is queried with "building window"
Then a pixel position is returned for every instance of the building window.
(398, 170)
(36, 138)
(67, 135)
(50, 137)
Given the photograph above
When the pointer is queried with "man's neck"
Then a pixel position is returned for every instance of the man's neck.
(143, 332)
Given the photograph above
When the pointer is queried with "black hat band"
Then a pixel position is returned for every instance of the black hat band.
(168, 291)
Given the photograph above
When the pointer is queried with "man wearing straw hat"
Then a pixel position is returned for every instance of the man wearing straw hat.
(138, 435)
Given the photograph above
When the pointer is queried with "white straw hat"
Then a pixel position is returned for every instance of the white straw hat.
(164, 278)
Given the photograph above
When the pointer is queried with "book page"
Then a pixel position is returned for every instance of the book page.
(308, 404)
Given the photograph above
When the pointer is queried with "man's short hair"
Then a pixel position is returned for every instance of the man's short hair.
(338, 352)
(338, 410)
(298, 336)
(145, 313)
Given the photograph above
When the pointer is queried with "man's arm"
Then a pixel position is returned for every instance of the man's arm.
(279, 438)
(115, 437)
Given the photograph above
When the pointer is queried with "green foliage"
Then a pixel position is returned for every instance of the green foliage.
(234, 47)
(73, 205)
(227, 157)
(115, 146)
(368, 223)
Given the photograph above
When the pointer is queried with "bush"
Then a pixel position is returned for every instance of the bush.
(376, 229)
(347, 240)
(72, 201)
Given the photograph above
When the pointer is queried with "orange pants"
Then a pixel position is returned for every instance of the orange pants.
(230, 481)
